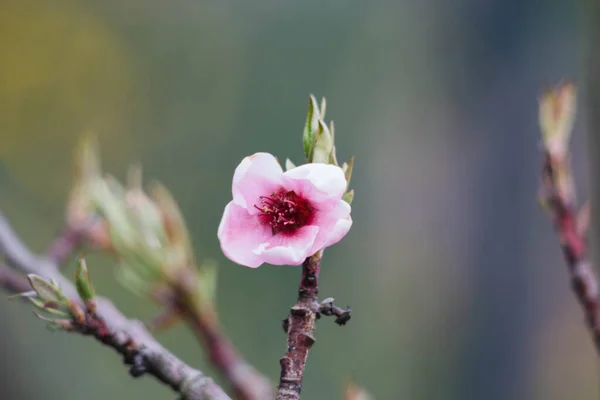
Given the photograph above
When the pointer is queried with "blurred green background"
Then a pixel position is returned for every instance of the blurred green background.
(454, 275)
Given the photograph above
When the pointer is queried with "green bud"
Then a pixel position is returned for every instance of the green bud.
(82, 281)
(48, 296)
(348, 196)
(323, 147)
(310, 127)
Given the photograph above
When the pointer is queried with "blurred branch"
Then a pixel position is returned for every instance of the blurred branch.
(574, 247)
(12, 280)
(108, 325)
(147, 233)
(246, 382)
(300, 328)
(557, 111)
(64, 245)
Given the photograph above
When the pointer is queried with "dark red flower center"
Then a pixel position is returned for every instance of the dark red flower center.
(284, 211)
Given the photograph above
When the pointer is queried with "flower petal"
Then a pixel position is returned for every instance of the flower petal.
(289, 249)
(321, 184)
(333, 225)
(240, 234)
(257, 175)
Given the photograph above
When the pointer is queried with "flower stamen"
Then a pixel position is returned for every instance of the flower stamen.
(284, 211)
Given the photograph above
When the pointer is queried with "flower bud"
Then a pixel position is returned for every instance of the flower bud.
(323, 149)
(557, 114)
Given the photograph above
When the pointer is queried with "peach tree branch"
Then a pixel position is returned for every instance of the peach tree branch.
(557, 110)
(144, 229)
(300, 325)
(129, 338)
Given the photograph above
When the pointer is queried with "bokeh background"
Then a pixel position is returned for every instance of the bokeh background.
(454, 274)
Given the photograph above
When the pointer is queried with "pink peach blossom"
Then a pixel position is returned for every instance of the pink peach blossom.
(281, 218)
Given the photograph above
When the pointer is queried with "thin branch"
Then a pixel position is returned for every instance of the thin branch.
(559, 203)
(328, 309)
(12, 280)
(300, 328)
(129, 338)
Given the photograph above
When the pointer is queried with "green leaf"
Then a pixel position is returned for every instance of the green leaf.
(44, 306)
(30, 293)
(310, 126)
(349, 196)
(55, 323)
(45, 290)
(109, 199)
(332, 156)
(348, 170)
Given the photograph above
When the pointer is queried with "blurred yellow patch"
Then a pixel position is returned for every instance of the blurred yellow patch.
(63, 72)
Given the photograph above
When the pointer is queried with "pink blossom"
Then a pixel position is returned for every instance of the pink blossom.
(281, 218)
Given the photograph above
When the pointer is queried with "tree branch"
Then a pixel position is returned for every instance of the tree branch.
(300, 328)
(13, 281)
(245, 381)
(64, 245)
(108, 325)
(572, 238)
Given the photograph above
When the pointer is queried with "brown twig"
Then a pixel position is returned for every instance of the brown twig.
(328, 309)
(300, 329)
(129, 338)
(559, 203)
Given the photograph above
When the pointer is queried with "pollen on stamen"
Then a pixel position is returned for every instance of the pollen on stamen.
(284, 211)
